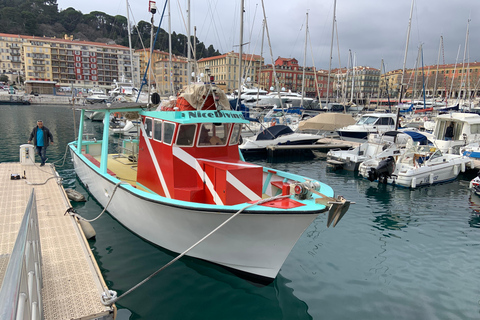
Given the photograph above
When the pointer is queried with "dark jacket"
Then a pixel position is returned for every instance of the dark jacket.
(47, 136)
(449, 132)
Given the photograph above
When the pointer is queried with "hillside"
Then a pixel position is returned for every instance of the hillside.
(42, 18)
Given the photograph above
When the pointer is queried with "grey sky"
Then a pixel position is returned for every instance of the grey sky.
(372, 29)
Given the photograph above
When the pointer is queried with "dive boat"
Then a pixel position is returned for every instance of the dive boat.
(419, 165)
(189, 178)
(368, 123)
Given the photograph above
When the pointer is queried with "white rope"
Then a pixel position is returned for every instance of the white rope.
(104, 209)
(112, 301)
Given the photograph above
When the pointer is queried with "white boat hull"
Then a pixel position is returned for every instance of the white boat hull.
(445, 169)
(255, 243)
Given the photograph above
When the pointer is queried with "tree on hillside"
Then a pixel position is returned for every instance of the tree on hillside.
(42, 18)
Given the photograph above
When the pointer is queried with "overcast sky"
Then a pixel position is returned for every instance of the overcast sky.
(371, 30)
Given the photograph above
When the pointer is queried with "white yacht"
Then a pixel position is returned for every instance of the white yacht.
(368, 123)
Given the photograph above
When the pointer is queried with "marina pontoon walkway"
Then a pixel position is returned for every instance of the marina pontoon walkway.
(72, 282)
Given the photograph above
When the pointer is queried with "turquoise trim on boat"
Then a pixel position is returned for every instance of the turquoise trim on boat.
(198, 116)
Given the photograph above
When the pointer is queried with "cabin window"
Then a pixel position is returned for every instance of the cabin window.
(237, 130)
(384, 122)
(474, 128)
(157, 130)
(214, 134)
(168, 130)
(148, 127)
(186, 135)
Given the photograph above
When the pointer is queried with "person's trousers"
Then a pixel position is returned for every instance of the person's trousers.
(42, 152)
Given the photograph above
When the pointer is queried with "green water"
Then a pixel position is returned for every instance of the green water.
(397, 253)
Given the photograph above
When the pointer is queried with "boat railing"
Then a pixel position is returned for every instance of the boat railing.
(20, 295)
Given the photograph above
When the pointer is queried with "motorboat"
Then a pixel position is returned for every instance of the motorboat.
(130, 128)
(368, 123)
(97, 95)
(294, 99)
(94, 115)
(273, 136)
(391, 143)
(327, 122)
(189, 190)
(466, 130)
(419, 165)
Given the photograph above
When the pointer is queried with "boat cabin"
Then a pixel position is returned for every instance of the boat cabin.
(466, 129)
(194, 156)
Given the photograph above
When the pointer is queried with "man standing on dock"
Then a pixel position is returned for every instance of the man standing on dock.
(41, 136)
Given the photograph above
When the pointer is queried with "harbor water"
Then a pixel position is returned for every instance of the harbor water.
(396, 254)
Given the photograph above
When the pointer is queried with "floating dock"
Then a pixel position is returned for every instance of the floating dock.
(302, 152)
(72, 284)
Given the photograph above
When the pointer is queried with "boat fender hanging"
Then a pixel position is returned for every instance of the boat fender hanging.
(462, 168)
(87, 229)
(455, 169)
(431, 178)
(414, 183)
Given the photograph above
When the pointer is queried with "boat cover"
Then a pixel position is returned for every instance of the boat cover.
(274, 132)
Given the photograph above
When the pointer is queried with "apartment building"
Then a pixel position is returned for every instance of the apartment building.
(11, 57)
(170, 81)
(144, 56)
(290, 78)
(224, 69)
(48, 63)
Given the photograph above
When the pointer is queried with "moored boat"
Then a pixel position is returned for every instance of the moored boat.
(188, 178)
(419, 165)
(368, 123)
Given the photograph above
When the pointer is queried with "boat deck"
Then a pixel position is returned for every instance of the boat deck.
(72, 282)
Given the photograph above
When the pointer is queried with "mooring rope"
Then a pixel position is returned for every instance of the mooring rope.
(108, 301)
(104, 209)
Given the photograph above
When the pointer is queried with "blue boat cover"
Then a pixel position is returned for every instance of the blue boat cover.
(273, 132)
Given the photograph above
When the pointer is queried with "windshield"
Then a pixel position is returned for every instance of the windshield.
(367, 120)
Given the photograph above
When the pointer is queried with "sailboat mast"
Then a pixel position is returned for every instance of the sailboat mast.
(406, 51)
(436, 73)
(462, 80)
(331, 50)
(240, 54)
(130, 44)
(304, 63)
(354, 65)
(170, 66)
(261, 57)
(271, 56)
(189, 66)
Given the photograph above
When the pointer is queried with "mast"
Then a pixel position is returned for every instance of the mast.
(271, 56)
(436, 73)
(406, 51)
(423, 79)
(130, 45)
(260, 67)
(189, 66)
(454, 73)
(170, 67)
(304, 63)
(462, 81)
(354, 64)
(331, 50)
(240, 53)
